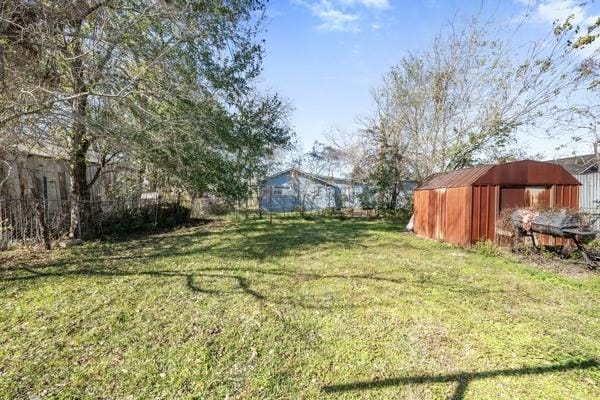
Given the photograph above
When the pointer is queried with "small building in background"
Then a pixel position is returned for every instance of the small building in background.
(585, 169)
(43, 172)
(296, 190)
(463, 207)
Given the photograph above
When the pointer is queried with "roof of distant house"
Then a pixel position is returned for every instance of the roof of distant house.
(53, 151)
(578, 165)
(332, 180)
(328, 180)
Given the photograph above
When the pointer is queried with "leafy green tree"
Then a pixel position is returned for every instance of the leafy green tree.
(166, 83)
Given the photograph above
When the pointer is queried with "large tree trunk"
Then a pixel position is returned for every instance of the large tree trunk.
(393, 197)
(81, 209)
(383, 185)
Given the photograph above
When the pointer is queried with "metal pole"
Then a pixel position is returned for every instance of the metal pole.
(156, 210)
(271, 204)
(79, 218)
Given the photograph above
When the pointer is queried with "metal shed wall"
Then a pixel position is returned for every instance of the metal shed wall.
(443, 214)
(589, 194)
(589, 198)
(484, 213)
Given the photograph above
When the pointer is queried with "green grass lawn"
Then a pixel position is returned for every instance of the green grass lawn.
(299, 309)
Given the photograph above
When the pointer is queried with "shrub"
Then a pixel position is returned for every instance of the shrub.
(487, 248)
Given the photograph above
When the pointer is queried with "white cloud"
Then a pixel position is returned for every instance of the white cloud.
(554, 10)
(550, 11)
(379, 4)
(335, 20)
(341, 15)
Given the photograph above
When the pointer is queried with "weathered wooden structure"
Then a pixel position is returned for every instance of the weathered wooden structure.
(462, 207)
(45, 171)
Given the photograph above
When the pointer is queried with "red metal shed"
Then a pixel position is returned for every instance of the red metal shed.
(462, 207)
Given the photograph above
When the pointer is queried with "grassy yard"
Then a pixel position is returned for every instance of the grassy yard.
(298, 309)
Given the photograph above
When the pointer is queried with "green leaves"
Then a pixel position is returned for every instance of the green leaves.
(169, 85)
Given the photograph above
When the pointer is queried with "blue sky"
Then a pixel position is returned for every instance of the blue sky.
(326, 55)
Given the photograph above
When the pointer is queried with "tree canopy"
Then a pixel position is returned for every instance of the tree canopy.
(168, 85)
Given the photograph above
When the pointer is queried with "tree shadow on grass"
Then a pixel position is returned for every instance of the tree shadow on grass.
(256, 241)
(198, 280)
(462, 379)
(282, 239)
(242, 283)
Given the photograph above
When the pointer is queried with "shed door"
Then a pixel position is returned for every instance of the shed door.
(531, 196)
(538, 196)
(512, 198)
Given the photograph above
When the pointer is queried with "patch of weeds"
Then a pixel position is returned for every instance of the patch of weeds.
(487, 248)
(594, 244)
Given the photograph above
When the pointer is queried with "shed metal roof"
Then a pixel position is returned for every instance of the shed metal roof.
(525, 172)
(458, 178)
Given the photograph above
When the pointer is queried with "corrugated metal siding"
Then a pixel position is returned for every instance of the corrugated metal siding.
(517, 173)
(589, 195)
(561, 196)
(512, 198)
(458, 216)
(444, 214)
(421, 209)
(466, 215)
(484, 213)
(538, 196)
(566, 196)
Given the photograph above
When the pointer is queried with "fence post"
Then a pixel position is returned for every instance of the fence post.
(156, 211)
(270, 204)
(79, 219)
(3, 235)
